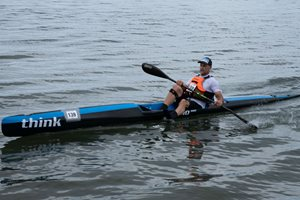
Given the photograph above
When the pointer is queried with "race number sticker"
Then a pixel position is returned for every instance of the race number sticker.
(192, 86)
(72, 115)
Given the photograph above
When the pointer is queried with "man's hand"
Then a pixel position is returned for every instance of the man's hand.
(180, 83)
(220, 100)
(218, 103)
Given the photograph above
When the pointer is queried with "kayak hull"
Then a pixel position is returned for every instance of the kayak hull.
(104, 115)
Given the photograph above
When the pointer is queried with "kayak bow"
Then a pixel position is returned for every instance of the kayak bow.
(103, 115)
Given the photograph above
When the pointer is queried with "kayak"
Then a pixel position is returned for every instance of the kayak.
(104, 115)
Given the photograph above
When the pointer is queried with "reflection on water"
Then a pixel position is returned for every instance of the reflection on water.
(55, 142)
(194, 178)
(195, 147)
(197, 134)
(145, 140)
(8, 181)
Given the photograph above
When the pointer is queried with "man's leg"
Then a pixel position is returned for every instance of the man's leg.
(174, 93)
(183, 105)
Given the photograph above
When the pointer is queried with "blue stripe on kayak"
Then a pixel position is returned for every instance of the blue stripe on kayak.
(153, 106)
(48, 115)
(243, 98)
(157, 106)
(104, 108)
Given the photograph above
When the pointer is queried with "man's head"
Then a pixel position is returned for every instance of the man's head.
(205, 65)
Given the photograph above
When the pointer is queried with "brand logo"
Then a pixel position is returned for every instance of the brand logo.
(40, 123)
(188, 112)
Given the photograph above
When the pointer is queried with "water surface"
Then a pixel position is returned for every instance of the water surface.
(66, 54)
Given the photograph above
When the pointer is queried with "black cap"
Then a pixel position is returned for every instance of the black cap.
(206, 60)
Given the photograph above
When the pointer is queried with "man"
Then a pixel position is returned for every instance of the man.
(190, 96)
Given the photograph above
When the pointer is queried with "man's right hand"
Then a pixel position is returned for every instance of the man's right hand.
(180, 83)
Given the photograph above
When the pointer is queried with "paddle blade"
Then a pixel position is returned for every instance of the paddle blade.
(252, 126)
(151, 69)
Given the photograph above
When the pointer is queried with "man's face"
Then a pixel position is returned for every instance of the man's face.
(204, 69)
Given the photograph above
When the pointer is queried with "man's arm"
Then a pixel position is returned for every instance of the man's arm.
(220, 100)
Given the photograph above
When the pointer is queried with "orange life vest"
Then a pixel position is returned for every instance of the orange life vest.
(197, 84)
(198, 80)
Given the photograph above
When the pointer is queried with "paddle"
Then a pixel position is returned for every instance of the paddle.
(151, 69)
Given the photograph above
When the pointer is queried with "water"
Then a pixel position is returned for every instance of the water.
(65, 54)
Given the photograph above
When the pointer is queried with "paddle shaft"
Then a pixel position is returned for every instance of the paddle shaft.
(228, 109)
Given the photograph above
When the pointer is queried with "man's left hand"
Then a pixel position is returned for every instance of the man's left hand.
(219, 103)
